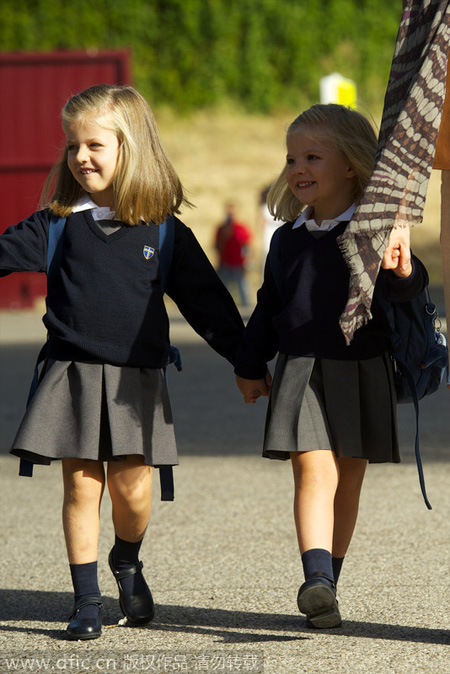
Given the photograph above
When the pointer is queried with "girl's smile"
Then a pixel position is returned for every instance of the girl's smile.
(319, 176)
(92, 154)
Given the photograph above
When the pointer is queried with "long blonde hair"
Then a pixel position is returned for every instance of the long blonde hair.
(146, 186)
(349, 132)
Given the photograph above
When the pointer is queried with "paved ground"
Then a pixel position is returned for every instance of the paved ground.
(222, 559)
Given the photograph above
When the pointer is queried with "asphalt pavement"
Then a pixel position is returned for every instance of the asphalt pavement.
(222, 559)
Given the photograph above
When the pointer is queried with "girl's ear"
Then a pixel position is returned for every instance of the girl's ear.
(351, 173)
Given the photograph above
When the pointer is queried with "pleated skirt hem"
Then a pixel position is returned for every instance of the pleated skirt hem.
(98, 412)
(348, 407)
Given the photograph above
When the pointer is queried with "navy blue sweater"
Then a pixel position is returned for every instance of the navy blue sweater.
(305, 322)
(105, 302)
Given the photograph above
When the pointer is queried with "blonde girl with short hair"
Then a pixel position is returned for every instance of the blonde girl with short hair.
(332, 406)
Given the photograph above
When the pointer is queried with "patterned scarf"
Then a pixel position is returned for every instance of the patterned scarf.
(395, 195)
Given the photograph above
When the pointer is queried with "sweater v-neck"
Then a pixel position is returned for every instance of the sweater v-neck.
(98, 231)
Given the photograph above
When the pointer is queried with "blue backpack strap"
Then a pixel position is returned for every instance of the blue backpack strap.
(55, 230)
(166, 243)
(166, 483)
(166, 232)
(416, 441)
(396, 344)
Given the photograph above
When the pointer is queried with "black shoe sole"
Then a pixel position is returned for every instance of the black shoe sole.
(318, 601)
(82, 637)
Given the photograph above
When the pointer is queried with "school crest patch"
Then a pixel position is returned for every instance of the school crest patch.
(148, 252)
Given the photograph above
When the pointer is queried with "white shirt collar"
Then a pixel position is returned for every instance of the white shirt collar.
(310, 223)
(85, 203)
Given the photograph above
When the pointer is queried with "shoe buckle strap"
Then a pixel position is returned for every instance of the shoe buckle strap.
(127, 572)
(89, 601)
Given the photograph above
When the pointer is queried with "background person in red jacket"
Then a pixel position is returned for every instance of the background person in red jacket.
(232, 242)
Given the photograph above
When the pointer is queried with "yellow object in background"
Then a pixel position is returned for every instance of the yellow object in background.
(338, 89)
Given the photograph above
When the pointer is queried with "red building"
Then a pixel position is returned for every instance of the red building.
(34, 88)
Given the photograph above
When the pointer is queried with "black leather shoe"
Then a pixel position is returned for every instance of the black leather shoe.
(85, 628)
(317, 599)
(139, 609)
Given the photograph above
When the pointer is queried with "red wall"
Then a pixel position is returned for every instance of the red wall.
(34, 88)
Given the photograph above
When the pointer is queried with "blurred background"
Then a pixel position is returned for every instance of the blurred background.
(224, 79)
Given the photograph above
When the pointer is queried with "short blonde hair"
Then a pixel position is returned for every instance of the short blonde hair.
(146, 186)
(349, 132)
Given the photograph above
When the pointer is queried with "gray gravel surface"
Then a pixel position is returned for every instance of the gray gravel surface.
(222, 559)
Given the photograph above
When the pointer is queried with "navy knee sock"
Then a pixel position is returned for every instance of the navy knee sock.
(337, 566)
(85, 584)
(125, 555)
(317, 560)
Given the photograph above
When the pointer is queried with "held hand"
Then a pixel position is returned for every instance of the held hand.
(397, 255)
(252, 389)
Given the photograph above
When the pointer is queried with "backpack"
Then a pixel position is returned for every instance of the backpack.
(419, 355)
(417, 348)
(54, 252)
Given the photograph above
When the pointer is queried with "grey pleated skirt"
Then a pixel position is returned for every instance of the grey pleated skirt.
(348, 407)
(98, 412)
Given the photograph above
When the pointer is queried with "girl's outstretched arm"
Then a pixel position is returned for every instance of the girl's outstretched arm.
(252, 389)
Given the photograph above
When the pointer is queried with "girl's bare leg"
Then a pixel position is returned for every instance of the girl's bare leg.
(84, 483)
(346, 503)
(130, 488)
(316, 476)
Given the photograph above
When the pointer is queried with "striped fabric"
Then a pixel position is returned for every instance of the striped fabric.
(395, 195)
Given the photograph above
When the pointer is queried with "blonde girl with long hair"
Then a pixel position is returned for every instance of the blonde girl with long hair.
(102, 405)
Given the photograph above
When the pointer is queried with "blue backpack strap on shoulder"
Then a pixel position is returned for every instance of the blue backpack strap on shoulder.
(166, 240)
(55, 230)
(166, 243)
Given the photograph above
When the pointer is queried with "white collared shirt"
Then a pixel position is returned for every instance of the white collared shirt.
(326, 225)
(85, 203)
